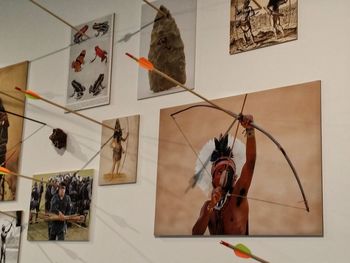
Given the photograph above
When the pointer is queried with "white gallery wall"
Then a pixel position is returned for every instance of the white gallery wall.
(122, 221)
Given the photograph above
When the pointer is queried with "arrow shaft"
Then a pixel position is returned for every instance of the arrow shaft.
(27, 118)
(69, 110)
(76, 113)
(27, 177)
(12, 97)
(94, 156)
(194, 93)
(154, 7)
(57, 17)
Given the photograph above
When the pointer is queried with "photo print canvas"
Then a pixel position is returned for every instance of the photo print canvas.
(11, 229)
(118, 158)
(90, 63)
(213, 179)
(262, 23)
(60, 206)
(168, 40)
(11, 125)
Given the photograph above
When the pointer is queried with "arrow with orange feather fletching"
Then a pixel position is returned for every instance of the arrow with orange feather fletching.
(146, 64)
(35, 96)
(6, 171)
(242, 251)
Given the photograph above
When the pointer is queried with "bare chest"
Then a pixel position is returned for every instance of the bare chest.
(231, 219)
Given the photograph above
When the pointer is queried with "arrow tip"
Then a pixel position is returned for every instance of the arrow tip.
(131, 56)
(29, 93)
(224, 243)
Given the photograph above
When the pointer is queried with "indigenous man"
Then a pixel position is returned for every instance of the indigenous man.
(4, 233)
(61, 206)
(4, 126)
(273, 8)
(227, 211)
(117, 147)
(246, 12)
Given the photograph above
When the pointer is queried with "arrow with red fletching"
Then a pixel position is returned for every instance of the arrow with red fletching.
(242, 251)
(146, 64)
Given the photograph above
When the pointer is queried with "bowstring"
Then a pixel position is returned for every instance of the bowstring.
(192, 148)
(269, 202)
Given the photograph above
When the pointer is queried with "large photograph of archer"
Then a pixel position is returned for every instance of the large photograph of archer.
(60, 206)
(90, 64)
(119, 151)
(11, 125)
(11, 224)
(261, 23)
(257, 175)
(168, 40)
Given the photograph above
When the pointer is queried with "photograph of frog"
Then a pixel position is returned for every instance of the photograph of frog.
(262, 23)
(118, 158)
(60, 206)
(11, 226)
(11, 126)
(90, 64)
(168, 40)
(213, 179)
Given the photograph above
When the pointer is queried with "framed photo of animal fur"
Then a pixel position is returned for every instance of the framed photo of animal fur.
(60, 206)
(216, 180)
(119, 151)
(168, 40)
(262, 23)
(11, 229)
(90, 63)
(11, 125)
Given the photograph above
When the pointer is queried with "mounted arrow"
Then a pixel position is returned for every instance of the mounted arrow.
(242, 251)
(6, 171)
(33, 95)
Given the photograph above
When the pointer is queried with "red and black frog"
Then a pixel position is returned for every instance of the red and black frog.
(101, 54)
(101, 28)
(97, 87)
(76, 65)
(79, 36)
